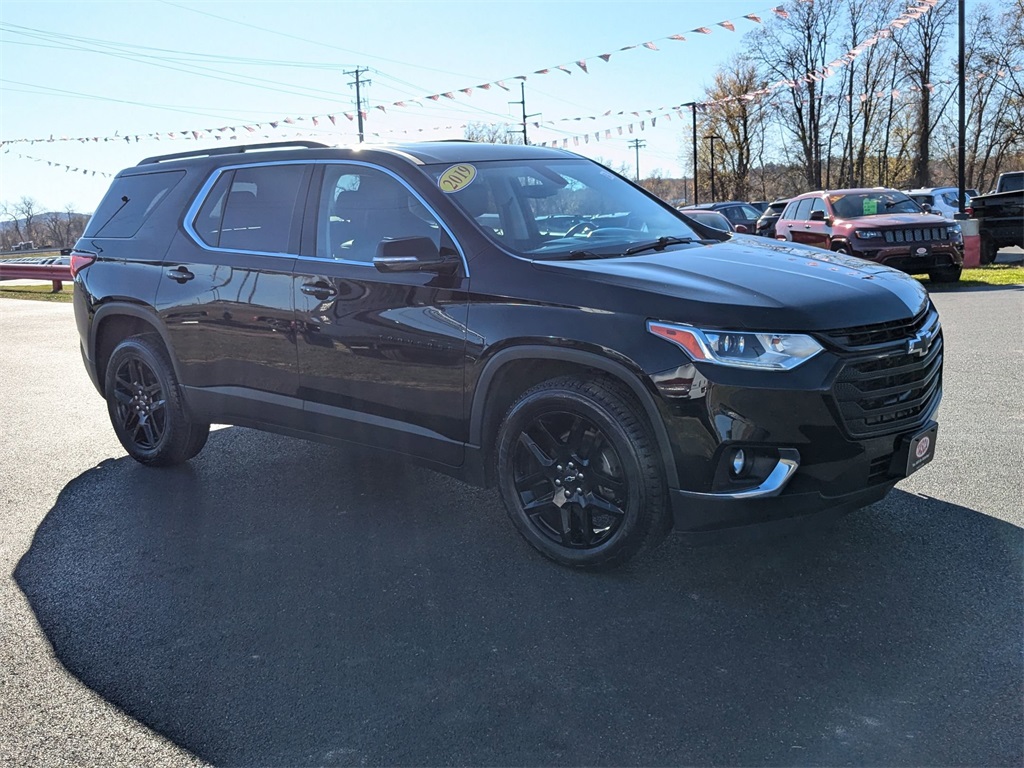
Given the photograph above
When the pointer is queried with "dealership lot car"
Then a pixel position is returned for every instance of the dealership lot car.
(513, 316)
(879, 224)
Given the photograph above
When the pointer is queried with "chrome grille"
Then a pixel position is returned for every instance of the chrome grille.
(891, 379)
(916, 235)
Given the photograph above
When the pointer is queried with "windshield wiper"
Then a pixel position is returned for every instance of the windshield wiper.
(574, 255)
(659, 245)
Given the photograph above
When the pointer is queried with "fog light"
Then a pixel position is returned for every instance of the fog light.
(739, 462)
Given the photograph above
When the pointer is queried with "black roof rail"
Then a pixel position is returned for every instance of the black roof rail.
(233, 150)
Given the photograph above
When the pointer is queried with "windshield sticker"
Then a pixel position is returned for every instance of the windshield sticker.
(870, 206)
(457, 177)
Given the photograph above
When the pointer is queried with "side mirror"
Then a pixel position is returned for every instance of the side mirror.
(742, 229)
(818, 215)
(412, 254)
(927, 207)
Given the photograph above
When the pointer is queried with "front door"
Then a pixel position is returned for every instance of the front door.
(381, 355)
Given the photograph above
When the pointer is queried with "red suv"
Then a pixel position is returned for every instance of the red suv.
(880, 225)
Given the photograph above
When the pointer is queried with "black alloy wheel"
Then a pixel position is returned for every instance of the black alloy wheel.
(946, 274)
(580, 473)
(145, 405)
(989, 251)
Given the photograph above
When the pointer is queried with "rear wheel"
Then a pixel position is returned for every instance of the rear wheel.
(946, 274)
(989, 250)
(146, 407)
(580, 473)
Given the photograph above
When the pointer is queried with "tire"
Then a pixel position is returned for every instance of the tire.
(146, 407)
(591, 438)
(989, 250)
(946, 275)
(843, 249)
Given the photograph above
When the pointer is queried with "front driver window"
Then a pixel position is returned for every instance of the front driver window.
(360, 206)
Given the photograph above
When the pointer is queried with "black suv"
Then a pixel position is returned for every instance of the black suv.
(513, 316)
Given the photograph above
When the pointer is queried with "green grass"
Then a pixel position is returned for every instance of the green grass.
(37, 292)
(993, 274)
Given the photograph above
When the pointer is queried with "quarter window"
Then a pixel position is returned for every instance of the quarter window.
(253, 209)
(130, 202)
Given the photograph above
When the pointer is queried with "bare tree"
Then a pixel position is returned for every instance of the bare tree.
(494, 133)
(63, 228)
(27, 209)
(739, 121)
(791, 49)
(995, 99)
(7, 209)
(921, 46)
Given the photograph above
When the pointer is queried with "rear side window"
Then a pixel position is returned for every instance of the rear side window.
(129, 202)
(803, 209)
(253, 209)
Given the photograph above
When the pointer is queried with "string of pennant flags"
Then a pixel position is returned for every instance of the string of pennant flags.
(250, 131)
(581, 65)
(67, 168)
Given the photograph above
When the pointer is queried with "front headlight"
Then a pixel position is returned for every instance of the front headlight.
(868, 234)
(739, 349)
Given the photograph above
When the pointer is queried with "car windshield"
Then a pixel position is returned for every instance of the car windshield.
(556, 209)
(854, 205)
(712, 219)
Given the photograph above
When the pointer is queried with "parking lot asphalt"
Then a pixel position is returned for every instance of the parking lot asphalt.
(277, 602)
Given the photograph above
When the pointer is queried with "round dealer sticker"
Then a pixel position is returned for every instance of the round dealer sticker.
(457, 177)
(922, 447)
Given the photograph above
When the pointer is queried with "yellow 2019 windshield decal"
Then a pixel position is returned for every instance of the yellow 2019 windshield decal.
(457, 177)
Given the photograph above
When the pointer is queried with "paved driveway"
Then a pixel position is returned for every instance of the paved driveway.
(276, 602)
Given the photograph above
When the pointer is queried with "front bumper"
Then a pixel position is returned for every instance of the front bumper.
(909, 258)
(828, 435)
(705, 514)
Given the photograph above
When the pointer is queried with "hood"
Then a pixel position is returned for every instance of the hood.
(759, 284)
(895, 220)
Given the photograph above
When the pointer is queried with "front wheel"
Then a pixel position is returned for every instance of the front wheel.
(146, 407)
(580, 473)
(946, 274)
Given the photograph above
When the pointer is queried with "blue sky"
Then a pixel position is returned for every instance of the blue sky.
(198, 65)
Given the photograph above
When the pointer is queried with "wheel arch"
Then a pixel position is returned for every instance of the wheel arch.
(115, 322)
(513, 370)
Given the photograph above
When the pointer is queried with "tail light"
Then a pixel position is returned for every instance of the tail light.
(80, 260)
(969, 211)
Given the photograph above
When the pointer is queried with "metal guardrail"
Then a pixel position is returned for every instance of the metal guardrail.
(57, 269)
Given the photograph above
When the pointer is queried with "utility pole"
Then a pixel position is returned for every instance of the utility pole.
(693, 111)
(961, 159)
(712, 138)
(359, 98)
(638, 144)
(522, 102)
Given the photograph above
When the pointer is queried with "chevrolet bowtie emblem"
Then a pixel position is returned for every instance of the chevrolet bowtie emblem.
(919, 344)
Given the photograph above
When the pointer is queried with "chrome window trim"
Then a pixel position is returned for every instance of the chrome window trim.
(204, 191)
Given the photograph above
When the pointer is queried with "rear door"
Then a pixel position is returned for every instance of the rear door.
(817, 232)
(797, 220)
(381, 355)
(226, 298)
